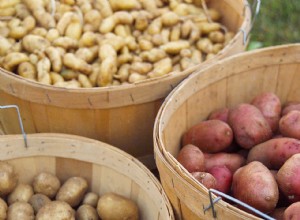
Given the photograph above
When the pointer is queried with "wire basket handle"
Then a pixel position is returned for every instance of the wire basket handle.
(213, 201)
(20, 120)
(255, 8)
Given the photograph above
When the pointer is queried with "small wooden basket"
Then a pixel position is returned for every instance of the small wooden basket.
(122, 116)
(106, 168)
(224, 84)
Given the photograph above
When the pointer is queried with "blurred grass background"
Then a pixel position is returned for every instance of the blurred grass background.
(278, 22)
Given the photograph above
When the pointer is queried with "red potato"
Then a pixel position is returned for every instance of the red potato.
(255, 185)
(290, 107)
(288, 178)
(292, 212)
(210, 136)
(249, 125)
(231, 161)
(219, 114)
(289, 124)
(274, 152)
(270, 106)
(223, 176)
(208, 180)
(191, 158)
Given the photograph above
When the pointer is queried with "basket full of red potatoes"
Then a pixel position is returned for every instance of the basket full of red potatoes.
(234, 127)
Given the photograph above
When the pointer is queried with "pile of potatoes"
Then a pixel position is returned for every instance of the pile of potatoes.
(46, 198)
(97, 43)
(251, 152)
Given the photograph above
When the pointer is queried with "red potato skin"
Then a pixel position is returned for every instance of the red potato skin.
(292, 212)
(270, 106)
(231, 161)
(208, 180)
(289, 124)
(274, 152)
(219, 114)
(249, 125)
(223, 176)
(191, 158)
(288, 178)
(255, 185)
(294, 106)
(210, 136)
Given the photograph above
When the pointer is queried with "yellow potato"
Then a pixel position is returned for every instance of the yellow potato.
(114, 206)
(91, 199)
(37, 201)
(3, 209)
(57, 210)
(72, 191)
(21, 193)
(20, 210)
(46, 183)
(86, 212)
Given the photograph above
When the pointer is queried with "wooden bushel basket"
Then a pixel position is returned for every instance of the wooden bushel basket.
(224, 84)
(122, 116)
(106, 168)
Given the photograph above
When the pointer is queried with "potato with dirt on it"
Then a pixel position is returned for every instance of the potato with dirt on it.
(112, 206)
(208, 180)
(223, 177)
(21, 193)
(20, 210)
(288, 178)
(210, 136)
(3, 209)
(86, 212)
(270, 106)
(46, 183)
(290, 106)
(72, 191)
(37, 201)
(8, 178)
(232, 161)
(219, 114)
(274, 152)
(191, 158)
(255, 185)
(57, 210)
(91, 199)
(289, 124)
(292, 212)
(249, 125)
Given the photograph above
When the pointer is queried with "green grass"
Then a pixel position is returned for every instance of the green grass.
(277, 23)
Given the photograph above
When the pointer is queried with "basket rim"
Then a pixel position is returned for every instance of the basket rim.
(111, 96)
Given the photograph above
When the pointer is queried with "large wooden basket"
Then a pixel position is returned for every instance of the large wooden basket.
(122, 116)
(226, 83)
(106, 168)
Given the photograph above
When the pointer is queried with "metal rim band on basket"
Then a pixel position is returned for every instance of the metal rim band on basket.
(20, 120)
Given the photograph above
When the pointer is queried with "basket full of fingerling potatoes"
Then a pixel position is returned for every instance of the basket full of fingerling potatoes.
(227, 142)
(102, 68)
(53, 176)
